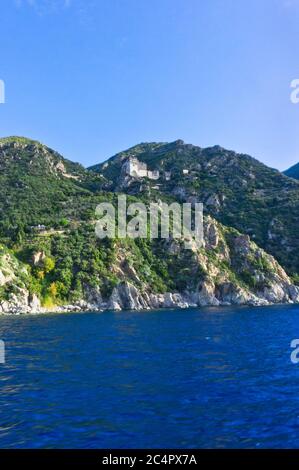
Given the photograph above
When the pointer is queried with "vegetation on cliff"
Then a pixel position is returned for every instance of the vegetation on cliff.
(236, 189)
(50, 251)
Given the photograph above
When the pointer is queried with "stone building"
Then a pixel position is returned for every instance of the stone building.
(136, 169)
(133, 167)
(153, 175)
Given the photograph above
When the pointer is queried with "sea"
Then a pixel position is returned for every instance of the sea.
(195, 378)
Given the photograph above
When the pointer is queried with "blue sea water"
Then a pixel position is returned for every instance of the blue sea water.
(198, 378)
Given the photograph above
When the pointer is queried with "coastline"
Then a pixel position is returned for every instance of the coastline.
(127, 297)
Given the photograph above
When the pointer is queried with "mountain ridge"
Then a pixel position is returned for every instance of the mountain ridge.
(235, 188)
(293, 171)
(52, 260)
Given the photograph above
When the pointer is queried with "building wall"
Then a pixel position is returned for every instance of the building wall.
(153, 175)
(137, 169)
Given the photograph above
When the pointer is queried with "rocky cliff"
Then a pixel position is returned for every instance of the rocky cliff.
(229, 269)
(51, 260)
(234, 270)
(235, 188)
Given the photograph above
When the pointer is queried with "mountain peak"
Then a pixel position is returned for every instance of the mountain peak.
(28, 157)
(19, 141)
(293, 171)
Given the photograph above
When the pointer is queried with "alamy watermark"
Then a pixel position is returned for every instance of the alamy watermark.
(2, 352)
(294, 96)
(2, 92)
(155, 220)
(295, 353)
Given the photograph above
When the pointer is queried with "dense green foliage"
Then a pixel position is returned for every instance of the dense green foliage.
(47, 207)
(236, 189)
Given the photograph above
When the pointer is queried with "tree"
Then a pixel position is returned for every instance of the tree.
(49, 264)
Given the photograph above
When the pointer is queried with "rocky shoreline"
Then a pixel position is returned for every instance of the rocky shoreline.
(127, 297)
(230, 269)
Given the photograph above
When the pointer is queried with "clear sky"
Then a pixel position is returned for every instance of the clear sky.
(93, 77)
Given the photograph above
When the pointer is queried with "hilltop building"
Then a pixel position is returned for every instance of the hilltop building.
(153, 175)
(136, 169)
(133, 167)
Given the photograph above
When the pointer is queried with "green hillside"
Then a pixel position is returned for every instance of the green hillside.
(236, 189)
(293, 171)
(50, 254)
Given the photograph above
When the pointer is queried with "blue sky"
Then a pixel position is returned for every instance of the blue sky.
(93, 77)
